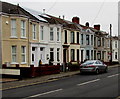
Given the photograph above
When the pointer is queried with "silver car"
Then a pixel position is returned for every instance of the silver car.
(93, 66)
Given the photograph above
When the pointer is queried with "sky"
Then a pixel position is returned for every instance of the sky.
(103, 12)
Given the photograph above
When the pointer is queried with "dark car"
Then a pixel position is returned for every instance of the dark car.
(95, 66)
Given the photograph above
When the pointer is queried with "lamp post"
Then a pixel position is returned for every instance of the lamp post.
(110, 43)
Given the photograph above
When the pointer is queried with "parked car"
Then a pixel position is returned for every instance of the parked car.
(95, 66)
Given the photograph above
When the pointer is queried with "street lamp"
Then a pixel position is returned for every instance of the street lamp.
(110, 43)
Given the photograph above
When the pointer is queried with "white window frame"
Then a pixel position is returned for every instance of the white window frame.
(13, 28)
(23, 53)
(34, 31)
(51, 34)
(14, 54)
(41, 32)
(23, 29)
(58, 34)
(58, 54)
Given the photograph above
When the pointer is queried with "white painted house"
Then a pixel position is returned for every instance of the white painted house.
(49, 47)
(115, 49)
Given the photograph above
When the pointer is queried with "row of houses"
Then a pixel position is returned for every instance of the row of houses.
(28, 36)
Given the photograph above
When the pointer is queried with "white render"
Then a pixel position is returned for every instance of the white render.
(42, 48)
(114, 50)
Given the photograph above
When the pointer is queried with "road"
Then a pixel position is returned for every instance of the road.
(102, 86)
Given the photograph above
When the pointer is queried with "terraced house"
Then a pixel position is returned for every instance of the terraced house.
(28, 37)
(15, 25)
(69, 38)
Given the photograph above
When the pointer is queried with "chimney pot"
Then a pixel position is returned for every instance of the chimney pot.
(75, 20)
(97, 27)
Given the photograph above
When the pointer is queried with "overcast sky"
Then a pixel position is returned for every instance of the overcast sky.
(103, 12)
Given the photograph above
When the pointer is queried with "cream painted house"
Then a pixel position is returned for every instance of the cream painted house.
(15, 31)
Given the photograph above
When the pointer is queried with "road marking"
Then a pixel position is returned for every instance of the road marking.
(45, 93)
(88, 82)
(112, 75)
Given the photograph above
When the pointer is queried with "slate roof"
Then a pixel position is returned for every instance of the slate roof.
(15, 9)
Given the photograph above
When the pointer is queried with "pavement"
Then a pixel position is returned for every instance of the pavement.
(9, 83)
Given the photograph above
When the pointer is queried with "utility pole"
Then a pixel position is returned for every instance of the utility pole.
(110, 43)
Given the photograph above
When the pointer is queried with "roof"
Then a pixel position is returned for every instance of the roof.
(15, 9)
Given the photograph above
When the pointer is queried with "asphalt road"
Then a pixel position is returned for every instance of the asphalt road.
(100, 86)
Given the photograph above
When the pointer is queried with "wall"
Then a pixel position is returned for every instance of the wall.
(119, 31)
(8, 41)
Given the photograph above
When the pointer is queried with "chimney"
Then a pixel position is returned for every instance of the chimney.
(75, 20)
(43, 11)
(59, 16)
(97, 27)
(63, 17)
(87, 24)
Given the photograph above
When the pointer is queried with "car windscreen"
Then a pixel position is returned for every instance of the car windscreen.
(88, 63)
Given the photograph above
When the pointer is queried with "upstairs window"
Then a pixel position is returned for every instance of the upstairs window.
(82, 39)
(23, 29)
(34, 31)
(115, 44)
(13, 28)
(91, 39)
(58, 34)
(87, 40)
(72, 37)
(51, 34)
(41, 32)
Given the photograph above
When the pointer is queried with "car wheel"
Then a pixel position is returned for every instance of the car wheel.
(97, 71)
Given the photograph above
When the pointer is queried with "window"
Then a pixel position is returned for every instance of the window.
(13, 28)
(23, 54)
(115, 44)
(34, 31)
(87, 40)
(91, 54)
(116, 55)
(87, 55)
(65, 36)
(94, 55)
(51, 54)
(103, 42)
(91, 39)
(82, 39)
(14, 53)
(72, 54)
(77, 54)
(94, 41)
(41, 33)
(51, 34)
(23, 31)
(58, 34)
(72, 37)
(77, 37)
(99, 42)
(58, 54)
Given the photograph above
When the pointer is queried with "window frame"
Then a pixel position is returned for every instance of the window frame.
(23, 28)
(13, 28)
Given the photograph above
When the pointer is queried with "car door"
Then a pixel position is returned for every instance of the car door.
(102, 67)
(99, 65)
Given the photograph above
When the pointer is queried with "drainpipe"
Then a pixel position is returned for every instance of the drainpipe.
(28, 44)
(1, 41)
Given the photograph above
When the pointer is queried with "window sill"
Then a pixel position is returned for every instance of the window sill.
(14, 63)
(22, 63)
(23, 37)
(13, 37)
